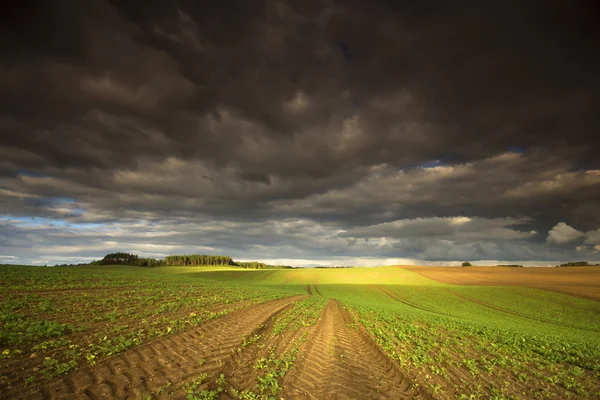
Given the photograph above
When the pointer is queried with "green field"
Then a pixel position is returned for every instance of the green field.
(59, 325)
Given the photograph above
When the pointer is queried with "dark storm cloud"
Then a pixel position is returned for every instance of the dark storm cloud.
(318, 110)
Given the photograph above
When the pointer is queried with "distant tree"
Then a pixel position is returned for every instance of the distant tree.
(127, 259)
(148, 262)
(575, 264)
(198, 260)
(510, 265)
(119, 259)
(258, 265)
(466, 264)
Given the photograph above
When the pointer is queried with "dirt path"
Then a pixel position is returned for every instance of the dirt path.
(241, 371)
(340, 362)
(169, 360)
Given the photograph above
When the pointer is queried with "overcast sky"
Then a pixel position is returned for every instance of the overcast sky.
(303, 132)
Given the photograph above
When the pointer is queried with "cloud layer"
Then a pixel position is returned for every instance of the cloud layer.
(316, 130)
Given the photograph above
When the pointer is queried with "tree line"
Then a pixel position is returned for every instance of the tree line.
(122, 258)
(577, 264)
(198, 259)
(193, 260)
(510, 265)
(128, 259)
(257, 265)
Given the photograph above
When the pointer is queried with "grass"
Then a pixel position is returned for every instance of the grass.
(456, 341)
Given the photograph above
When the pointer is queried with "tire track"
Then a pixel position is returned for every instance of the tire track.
(308, 290)
(168, 360)
(266, 275)
(342, 363)
(240, 369)
(316, 285)
(406, 302)
(514, 291)
(518, 314)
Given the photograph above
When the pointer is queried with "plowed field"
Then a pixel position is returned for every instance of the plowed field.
(363, 333)
(576, 281)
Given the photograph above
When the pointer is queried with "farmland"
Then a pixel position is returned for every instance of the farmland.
(576, 281)
(220, 332)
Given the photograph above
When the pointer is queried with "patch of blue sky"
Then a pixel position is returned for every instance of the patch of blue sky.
(516, 149)
(54, 201)
(26, 172)
(425, 165)
(20, 219)
(35, 221)
(62, 200)
(49, 201)
(88, 225)
(432, 164)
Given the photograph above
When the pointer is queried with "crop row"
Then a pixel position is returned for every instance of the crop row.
(45, 334)
(263, 358)
(465, 359)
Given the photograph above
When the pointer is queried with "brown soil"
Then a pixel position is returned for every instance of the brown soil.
(576, 281)
(18, 368)
(170, 360)
(340, 362)
(240, 369)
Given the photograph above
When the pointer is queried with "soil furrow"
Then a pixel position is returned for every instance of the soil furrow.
(515, 313)
(404, 301)
(316, 285)
(240, 369)
(159, 363)
(339, 362)
(514, 291)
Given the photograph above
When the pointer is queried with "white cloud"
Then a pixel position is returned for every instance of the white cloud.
(592, 237)
(565, 181)
(458, 229)
(563, 233)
